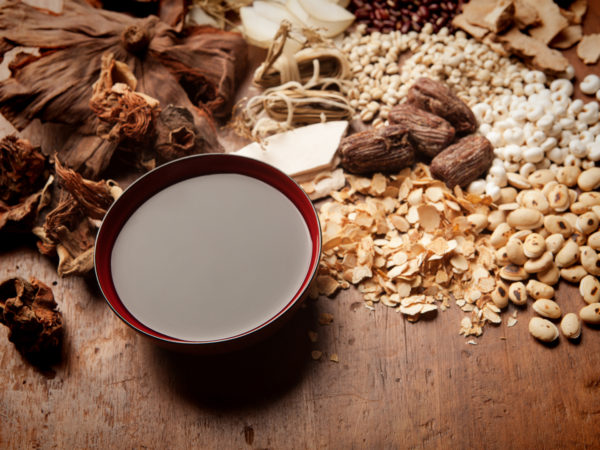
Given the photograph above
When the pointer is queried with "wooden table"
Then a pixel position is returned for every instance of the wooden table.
(396, 385)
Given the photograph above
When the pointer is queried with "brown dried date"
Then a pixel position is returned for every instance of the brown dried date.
(438, 99)
(463, 161)
(428, 133)
(384, 149)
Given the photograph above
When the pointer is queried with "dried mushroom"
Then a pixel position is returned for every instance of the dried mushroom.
(69, 230)
(28, 309)
(24, 183)
(197, 70)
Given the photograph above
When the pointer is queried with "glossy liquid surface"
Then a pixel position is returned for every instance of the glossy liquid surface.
(211, 257)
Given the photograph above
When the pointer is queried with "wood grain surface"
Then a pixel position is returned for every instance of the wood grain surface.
(396, 385)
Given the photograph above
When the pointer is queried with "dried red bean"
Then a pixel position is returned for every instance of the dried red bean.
(405, 16)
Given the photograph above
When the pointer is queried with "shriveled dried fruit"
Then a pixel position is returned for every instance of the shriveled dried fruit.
(28, 309)
(428, 133)
(386, 149)
(438, 99)
(463, 161)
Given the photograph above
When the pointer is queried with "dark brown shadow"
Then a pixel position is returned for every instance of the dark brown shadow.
(249, 377)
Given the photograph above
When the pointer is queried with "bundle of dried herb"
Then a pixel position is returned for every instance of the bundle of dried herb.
(24, 183)
(197, 70)
(314, 77)
(28, 309)
(69, 230)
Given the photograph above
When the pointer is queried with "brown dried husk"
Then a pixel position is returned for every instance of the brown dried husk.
(69, 230)
(30, 312)
(197, 70)
(24, 183)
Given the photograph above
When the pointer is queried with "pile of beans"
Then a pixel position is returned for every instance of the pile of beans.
(404, 16)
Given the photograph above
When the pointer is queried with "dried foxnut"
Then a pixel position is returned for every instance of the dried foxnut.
(500, 294)
(572, 195)
(541, 177)
(478, 222)
(518, 181)
(517, 293)
(548, 187)
(557, 224)
(594, 240)
(495, 218)
(558, 198)
(507, 195)
(514, 252)
(589, 288)
(578, 238)
(508, 206)
(547, 308)
(579, 207)
(543, 233)
(587, 223)
(538, 264)
(543, 329)
(590, 199)
(512, 272)
(568, 255)
(589, 260)
(525, 219)
(549, 276)
(568, 175)
(537, 289)
(502, 256)
(571, 218)
(573, 274)
(571, 326)
(590, 313)
(589, 180)
(535, 199)
(554, 242)
(534, 245)
(500, 235)
(521, 234)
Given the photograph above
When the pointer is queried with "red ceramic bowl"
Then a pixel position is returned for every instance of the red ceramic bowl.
(110, 272)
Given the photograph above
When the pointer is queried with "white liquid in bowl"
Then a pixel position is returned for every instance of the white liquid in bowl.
(211, 257)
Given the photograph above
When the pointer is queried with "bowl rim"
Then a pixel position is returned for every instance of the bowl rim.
(143, 188)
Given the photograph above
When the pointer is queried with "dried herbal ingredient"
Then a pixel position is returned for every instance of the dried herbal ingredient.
(198, 70)
(437, 98)
(385, 149)
(69, 230)
(134, 121)
(311, 94)
(24, 183)
(30, 312)
(408, 241)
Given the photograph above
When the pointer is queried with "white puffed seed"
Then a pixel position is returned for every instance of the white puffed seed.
(590, 84)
